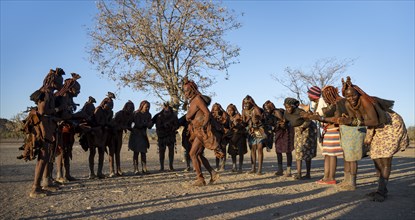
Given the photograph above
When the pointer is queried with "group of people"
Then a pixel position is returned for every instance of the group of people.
(341, 126)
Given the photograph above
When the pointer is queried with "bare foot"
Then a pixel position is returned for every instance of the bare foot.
(199, 182)
(215, 176)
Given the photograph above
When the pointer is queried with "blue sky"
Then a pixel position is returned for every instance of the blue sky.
(39, 35)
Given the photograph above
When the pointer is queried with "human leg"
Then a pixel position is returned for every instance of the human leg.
(162, 153)
(260, 149)
(289, 163)
(253, 158)
(217, 162)
(144, 163)
(67, 166)
(330, 164)
(196, 150)
(214, 176)
(280, 171)
(47, 180)
(326, 167)
(118, 147)
(233, 162)
(332, 168)
(59, 168)
(92, 152)
(36, 191)
(346, 169)
(68, 139)
(187, 159)
(241, 162)
(298, 176)
(223, 159)
(111, 160)
(171, 157)
(308, 169)
(100, 162)
(384, 165)
(350, 180)
(135, 163)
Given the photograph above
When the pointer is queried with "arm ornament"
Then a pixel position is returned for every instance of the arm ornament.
(356, 122)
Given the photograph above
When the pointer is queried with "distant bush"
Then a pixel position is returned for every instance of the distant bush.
(11, 128)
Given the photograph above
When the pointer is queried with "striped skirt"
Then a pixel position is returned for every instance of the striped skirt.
(331, 143)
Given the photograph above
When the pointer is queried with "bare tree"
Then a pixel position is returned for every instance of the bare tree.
(152, 45)
(327, 71)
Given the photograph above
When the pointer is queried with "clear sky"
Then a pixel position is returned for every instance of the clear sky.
(40, 35)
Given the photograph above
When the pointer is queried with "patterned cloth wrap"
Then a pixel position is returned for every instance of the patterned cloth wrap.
(389, 139)
(351, 140)
(305, 142)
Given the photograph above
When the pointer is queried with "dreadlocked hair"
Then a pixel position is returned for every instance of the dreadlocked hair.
(69, 83)
(348, 84)
(248, 98)
(384, 104)
(292, 101)
(52, 77)
(105, 101)
(218, 106)
(269, 104)
(193, 87)
(330, 94)
(232, 106)
(191, 84)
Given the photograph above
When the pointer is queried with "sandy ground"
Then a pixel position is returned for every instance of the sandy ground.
(169, 195)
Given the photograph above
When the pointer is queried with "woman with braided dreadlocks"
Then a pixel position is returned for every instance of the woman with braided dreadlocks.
(221, 122)
(98, 135)
(253, 119)
(237, 141)
(66, 129)
(201, 132)
(305, 133)
(45, 139)
(386, 134)
(331, 147)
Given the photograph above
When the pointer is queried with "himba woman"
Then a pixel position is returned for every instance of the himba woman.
(331, 147)
(98, 138)
(221, 121)
(253, 119)
(120, 124)
(386, 133)
(46, 111)
(138, 141)
(270, 122)
(201, 132)
(237, 141)
(66, 129)
(305, 133)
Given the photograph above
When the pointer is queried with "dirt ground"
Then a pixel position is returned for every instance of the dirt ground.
(169, 195)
